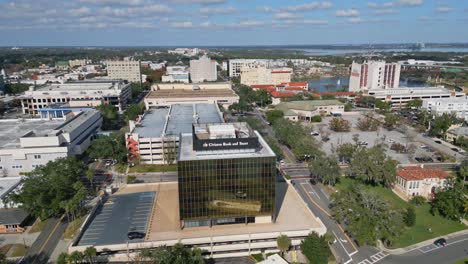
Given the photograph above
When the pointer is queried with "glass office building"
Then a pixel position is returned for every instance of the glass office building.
(226, 176)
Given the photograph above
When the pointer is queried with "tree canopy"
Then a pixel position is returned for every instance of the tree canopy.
(178, 254)
(47, 188)
(441, 124)
(110, 117)
(326, 168)
(449, 201)
(109, 147)
(315, 248)
(133, 111)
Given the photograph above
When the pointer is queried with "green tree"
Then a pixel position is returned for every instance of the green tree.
(316, 119)
(463, 171)
(3, 259)
(441, 124)
(262, 97)
(391, 121)
(274, 115)
(368, 123)
(133, 111)
(177, 254)
(348, 107)
(136, 88)
(346, 152)
(372, 166)
(315, 248)
(416, 103)
(418, 200)
(76, 257)
(90, 254)
(169, 150)
(62, 258)
(90, 176)
(47, 186)
(383, 106)
(449, 200)
(254, 122)
(110, 117)
(325, 168)
(275, 147)
(241, 107)
(338, 124)
(329, 237)
(283, 243)
(16, 88)
(409, 216)
(368, 217)
(109, 147)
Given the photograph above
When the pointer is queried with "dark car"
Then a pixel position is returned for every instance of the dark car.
(441, 242)
(135, 235)
(438, 141)
(313, 181)
(455, 149)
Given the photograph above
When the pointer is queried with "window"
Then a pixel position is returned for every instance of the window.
(17, 166)
(37, 156)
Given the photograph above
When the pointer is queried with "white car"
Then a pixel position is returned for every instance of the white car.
(391, 141)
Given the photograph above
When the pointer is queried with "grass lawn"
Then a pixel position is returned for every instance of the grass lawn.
(424, 219)
(152, 168)
(462, 261)
(37, 226)
(73, 227)
(257, 257)
(18, 250)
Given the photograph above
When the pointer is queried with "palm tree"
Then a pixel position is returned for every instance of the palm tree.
(90, 176)
(283, 243)
(62, 258)
(76, 257)
(90, 253)
(329, 238)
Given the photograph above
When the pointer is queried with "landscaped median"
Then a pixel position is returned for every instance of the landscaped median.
(427, 226)
(144, 168)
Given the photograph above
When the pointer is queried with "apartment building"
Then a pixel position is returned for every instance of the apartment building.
(176, 74)
(203, 69)
(454, 105)
(28, 143)
(80, 93)
(263, 75)
(128, 70)
(154, 137)
(372, 75)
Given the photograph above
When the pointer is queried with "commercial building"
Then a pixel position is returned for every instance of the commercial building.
(26, 144)
(176, 74)
(263, 75)
(236, 65)
(76, 63)
(128, 70)
(203, 69)
(412, 181)
(81, 93)
(181, 93)
(400, 96)
(154, 137)
(227, 175)
(373, 75)
(283, 90)
(186, 51)
(305, 110)
(439, 106)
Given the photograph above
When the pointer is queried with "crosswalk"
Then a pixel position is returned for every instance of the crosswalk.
(374, 258)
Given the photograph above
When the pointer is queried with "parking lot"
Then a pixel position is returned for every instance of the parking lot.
(371, 138)
(119, 215)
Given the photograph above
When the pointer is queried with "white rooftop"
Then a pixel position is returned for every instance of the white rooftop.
(7, 184)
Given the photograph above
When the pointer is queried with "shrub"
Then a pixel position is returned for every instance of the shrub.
(418, 200)
(316, 118)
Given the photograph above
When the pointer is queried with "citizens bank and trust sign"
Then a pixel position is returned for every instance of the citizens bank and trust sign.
(229, 143)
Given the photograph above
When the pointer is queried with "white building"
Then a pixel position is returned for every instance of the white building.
(76, 63)
(263, 75)
(28, 143)
(82, 93)
(203, 69)
(156, 132)
(439, 106)
(236, 65)
(400, 96)
(185, 51)
(124, 70)
(373, 75)
(412, 181)
(179, 74)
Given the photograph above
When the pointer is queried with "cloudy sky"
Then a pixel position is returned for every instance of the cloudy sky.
(229, 22)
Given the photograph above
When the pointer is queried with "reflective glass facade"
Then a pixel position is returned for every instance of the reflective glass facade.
(226, 191)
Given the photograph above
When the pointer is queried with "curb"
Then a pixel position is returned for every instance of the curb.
(399, 251)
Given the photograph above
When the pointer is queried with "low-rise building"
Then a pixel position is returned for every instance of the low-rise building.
(8, 185)
(454, 105)
(400, 96)
(414, 180)
(453, 134)
(77, 63)
(127, 69)
(263, 75)
(80, 93)
(305, 110)
(62, 65)
(154, 137)
(26, 144)
(176, 74)
(180, 93)
(12, 220)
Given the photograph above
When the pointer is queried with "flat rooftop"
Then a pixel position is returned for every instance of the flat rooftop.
(11, 130)
(83, 85)
(7, 184)
(176, 120)
(181, 93)
(413, 91)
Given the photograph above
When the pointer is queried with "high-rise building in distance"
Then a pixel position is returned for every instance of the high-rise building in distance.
(124, 70)
(372, 75)
(203, 69)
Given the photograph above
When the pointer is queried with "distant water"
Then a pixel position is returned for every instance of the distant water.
(331, 84)
(324, 52)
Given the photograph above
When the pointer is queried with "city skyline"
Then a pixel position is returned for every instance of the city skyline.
(212, 22)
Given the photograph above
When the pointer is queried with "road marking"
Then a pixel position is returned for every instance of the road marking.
(50, 235)
(341, 243)
(374, 258)
(326, 195)
(316, 195)
(312, 200)
(438, 247)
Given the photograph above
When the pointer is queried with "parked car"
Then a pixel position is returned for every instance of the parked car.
(362, 143)
(313, 181)
(135, 235)
(455, 149)
(441, 242)
(438, 141)
(391, 141)
(314, 134)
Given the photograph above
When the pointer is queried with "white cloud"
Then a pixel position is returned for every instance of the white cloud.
(182, 24)
(218, 10)
(385, 11)
(265, 9)
(347, 13)
(444, 9)
(287, 15)
(358, 20)
(403, 3)
(82, 11)
(114, 2)
(202, 2)
(308, 6)
(304, 22)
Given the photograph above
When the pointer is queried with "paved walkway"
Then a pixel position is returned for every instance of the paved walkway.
(399, 251)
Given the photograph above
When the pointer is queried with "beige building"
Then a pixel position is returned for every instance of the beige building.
(263, 75)
(76, 63)
(203, 69)
(124, 70)
(305, 110)
(412, 181)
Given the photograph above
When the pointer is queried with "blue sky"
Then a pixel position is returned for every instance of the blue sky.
(230, 22)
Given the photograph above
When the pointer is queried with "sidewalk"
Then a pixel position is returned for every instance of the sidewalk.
(399, 251)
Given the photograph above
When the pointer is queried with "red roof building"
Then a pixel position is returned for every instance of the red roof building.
(414, 180)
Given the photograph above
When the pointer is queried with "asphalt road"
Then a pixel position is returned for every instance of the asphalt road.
(42, 248)
(170, 176)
